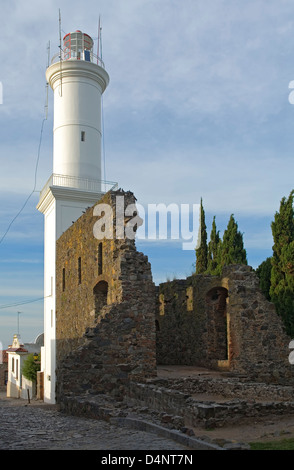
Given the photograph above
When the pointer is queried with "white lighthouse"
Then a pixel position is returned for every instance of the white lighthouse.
(78, 79)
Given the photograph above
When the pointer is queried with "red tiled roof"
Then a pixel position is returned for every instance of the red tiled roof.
(16, 350)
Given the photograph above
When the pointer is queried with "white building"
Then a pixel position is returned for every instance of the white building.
(78, 79)
(17, 354)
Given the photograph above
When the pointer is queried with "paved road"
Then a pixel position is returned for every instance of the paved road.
(37, 425)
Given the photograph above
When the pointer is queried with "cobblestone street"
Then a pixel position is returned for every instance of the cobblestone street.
(39, 426)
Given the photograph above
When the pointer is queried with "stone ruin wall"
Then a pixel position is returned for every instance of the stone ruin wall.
(222, 323)
(105, 328)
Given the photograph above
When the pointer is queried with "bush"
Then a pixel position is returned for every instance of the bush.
(31, 367)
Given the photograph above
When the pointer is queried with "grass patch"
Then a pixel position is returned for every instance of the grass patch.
(284, 444)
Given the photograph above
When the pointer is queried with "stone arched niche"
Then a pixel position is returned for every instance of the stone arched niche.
(100, 292)
(217, 325)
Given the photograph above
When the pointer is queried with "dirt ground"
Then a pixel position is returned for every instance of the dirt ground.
(269, 428)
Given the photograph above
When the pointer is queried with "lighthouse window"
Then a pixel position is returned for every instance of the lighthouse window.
(83, 136)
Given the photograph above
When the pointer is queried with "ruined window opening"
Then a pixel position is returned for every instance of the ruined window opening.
(100, 292)
(161, 304)
(189, 296)
(80, 270)
(63, 279)
(217, 318)
(157, 327)
(214, 296)
(100, 259)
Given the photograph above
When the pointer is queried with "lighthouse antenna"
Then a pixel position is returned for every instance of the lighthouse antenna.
(48, 54)
(47, 84)
(98, 44)
(18, 313)
(100, 32)
(60, 55)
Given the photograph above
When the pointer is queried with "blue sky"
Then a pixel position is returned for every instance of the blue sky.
(197, 106)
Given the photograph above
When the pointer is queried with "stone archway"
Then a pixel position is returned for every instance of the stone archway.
(100, 292)
(217, 326)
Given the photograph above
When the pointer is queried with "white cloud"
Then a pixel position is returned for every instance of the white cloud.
(190, 56)
(198, 57)
(235, 182)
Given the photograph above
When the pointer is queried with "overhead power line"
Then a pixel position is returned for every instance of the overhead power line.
(34, 188)
(23, 302)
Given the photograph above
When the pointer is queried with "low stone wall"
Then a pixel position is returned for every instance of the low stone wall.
(101, 407)
(230, 388)
(203, 413)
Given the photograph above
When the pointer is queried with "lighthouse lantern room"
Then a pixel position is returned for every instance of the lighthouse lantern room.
(78, 45)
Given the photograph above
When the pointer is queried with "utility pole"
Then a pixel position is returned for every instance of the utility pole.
(18, 313)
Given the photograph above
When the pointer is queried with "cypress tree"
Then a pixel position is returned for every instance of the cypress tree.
(232, 247)
(282, 273)
(213, 249)
(201, 252)
(264, 273)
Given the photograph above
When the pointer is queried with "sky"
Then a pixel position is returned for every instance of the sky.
(197, 107)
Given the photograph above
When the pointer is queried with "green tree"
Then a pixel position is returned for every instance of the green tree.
(31, 367)
(282, 273)
(232, 248)
(213, 249)
(264, 273)
(201, 251)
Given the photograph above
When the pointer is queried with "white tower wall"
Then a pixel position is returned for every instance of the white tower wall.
(78, 87)
(49, 302)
